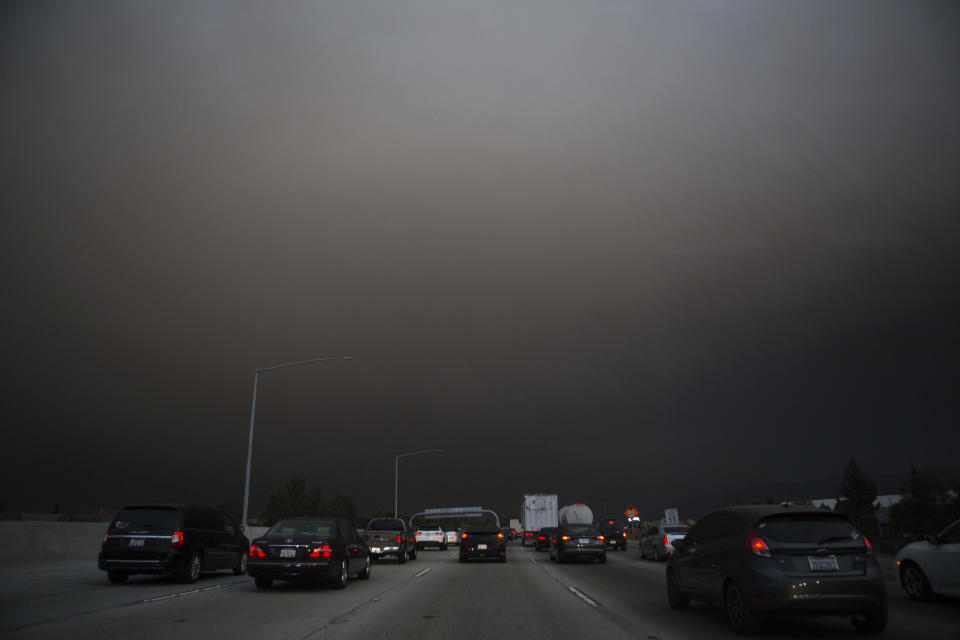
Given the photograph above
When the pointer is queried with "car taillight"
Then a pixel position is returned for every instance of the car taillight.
(564, 537)
(757, 545)
(500, 535)
(665, 541)
(106, 534)
(624, 534)
(869, 546)
(256, 552)
(600, 538)
(463, 536)
(176, 540)
(323, 551)
(398, 537)
(541, 537)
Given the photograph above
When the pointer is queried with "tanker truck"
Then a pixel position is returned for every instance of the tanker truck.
(575, 514)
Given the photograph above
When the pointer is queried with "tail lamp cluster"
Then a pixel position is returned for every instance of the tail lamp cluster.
(323, 551)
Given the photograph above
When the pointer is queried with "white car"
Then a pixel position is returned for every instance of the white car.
(931, 566)
(453, 537)
(431, 537)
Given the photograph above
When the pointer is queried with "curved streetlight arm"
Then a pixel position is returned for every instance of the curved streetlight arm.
(253, 414)
(396, 473)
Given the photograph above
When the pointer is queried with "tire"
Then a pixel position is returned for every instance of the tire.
(241, 567)
(365, 571)
(872, 622)
(443, 547)
(117, 577)
(742, 620)
(915, 582)
(674, 596)
(263, 582)
(402, 555)
(463, 558)
(194, 568)
(412, 555)
(340, 580)
(561, 559)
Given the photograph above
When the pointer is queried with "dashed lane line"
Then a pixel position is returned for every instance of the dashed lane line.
(182, 593)
(580, 594)
(422, 573)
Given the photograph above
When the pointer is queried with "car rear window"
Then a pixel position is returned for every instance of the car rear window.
(582, 530)
(147, 518)
(676, 529)
(816, 528)
(302, 528)
(386, 525)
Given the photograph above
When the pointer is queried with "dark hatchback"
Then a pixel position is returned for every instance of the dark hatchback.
(545, 538)
(763, 561)
(578, 542)
(483, 542)
(184, 540)
(309, 550)
(614, 534)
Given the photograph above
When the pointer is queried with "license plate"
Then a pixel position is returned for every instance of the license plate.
(288, 553)
(584, 540)
(136, 542)
(482, 547)
(823, 564)
(375, 549)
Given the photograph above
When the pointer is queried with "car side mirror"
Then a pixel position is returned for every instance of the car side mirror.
(931, 538)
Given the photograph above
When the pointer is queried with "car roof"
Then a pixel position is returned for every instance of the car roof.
(761, 511)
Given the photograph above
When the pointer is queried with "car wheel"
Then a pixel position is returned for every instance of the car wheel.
(871, 622)
(117, 577)
(741, 618)
(674, 596)
(412, 555)
(402, 555)
(365, 572)
(241, 567)
(561, 559)
(915, 582)
(463, 558)
(194, 568)
(262, 582)
(340, 580)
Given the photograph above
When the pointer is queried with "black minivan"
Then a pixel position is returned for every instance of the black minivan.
(182, 539)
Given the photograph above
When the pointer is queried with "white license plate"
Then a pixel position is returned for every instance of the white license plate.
(288, 553)
(481, 547)
(823, 564)
(136, 542)
(584, 540)
(375, 549)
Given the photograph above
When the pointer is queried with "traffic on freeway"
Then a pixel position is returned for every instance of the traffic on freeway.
(780, 571)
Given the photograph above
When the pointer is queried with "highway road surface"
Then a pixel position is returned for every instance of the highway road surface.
(434, 597)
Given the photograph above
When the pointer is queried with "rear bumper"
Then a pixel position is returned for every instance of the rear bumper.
(381, 552)
(579, 552)
(172, 562)
(492, 551)
(290, 570)
(432, 543)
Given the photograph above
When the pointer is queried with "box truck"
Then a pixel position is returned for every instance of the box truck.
(537, 511)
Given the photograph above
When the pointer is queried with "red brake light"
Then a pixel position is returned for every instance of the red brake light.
(176, 540)
(610, 522)
(541, 537)
(564, 537)
(665, 541)
(398, 537)
(499, 535)
(256, 552)
(624, 534)
(323, 551)
(463, 536)
(106, 534)
(869, 546)
(757, 545)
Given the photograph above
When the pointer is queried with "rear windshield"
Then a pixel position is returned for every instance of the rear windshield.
(302, 528)
(386, 525)
(676, 529)
(814, 528)
(147, 518)
(581, 530)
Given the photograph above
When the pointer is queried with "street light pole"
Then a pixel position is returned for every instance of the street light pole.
(396, 473)
(253, 414)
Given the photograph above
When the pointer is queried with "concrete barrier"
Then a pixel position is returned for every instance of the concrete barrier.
(34, 542)
(30, 542)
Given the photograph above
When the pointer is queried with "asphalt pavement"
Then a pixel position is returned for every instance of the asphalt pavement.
(433, 597)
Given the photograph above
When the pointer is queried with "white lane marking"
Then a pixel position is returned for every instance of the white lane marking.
(424, 572)
(590, 601)
(181, 593)
(534, 561)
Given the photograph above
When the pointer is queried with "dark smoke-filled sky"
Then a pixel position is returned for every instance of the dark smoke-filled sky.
(651, 253)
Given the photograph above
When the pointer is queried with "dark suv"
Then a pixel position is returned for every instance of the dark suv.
(184, 540)
(614, 533)
(762, 561)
